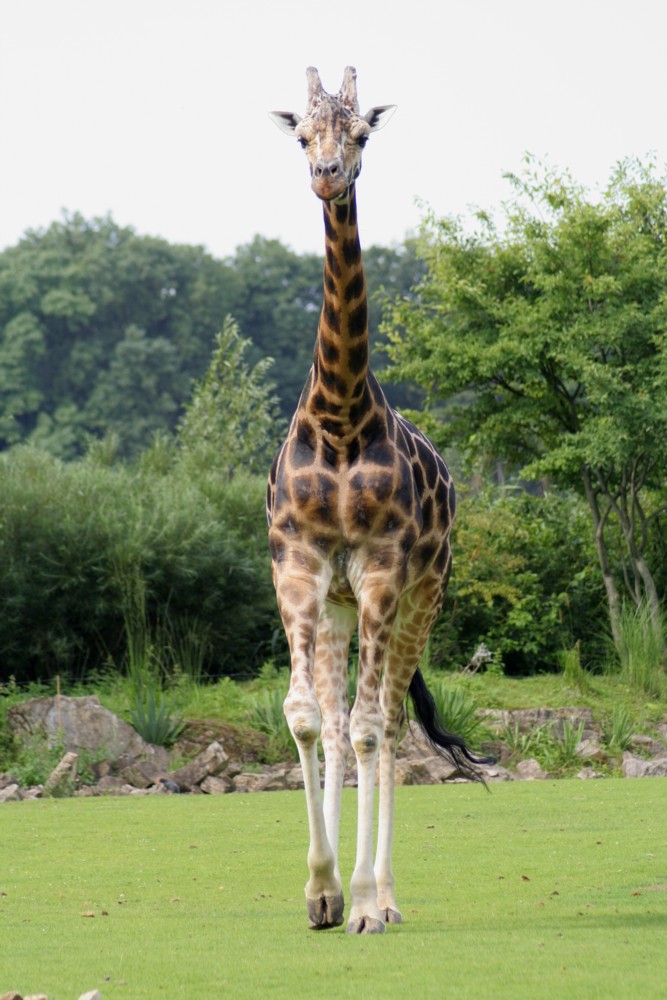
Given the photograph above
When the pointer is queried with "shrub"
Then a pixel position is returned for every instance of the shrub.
(75, 538)
(523, 582)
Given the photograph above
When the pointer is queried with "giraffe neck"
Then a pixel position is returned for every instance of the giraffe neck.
(339, 394)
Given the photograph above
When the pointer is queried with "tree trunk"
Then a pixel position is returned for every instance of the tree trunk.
(613, 596)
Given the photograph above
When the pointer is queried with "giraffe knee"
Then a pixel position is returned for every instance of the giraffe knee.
(366, 737)
(304, 720)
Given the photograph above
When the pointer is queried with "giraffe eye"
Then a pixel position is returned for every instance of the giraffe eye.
(302, 142)
(362, 140)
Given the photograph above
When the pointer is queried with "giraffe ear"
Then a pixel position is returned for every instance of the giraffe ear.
(286, 121)
(378, 117)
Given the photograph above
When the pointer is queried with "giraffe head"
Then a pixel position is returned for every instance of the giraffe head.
(333, 133)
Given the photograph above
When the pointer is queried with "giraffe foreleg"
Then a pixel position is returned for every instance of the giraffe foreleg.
(377, 603)
(366, 733)
(384, 874)
(416, 613)
(336, 625)
(300, 599)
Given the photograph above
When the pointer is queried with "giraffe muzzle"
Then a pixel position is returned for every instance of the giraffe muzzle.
(329, 179)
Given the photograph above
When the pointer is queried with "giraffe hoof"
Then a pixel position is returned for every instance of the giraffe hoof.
(365, 925)
(325, 911)
(393, 916)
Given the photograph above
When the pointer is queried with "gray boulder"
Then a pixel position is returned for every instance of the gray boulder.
(78, 724)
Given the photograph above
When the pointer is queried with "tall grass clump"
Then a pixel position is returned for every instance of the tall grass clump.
(574, 674)
(457, 710)
(618, 730)
(267, 716)
(642, 650)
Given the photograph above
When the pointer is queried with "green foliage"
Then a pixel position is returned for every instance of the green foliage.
(545, 335)
(457, 709)
(618, 730)
(573, 672)
(553, 746)
(641, 651)
(76, 538)
(232, 422)
(102, 330)
(523, 581)
(266, 715)
(557, 752)
(152, 717)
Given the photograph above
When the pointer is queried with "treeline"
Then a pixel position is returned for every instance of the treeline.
(104, 330)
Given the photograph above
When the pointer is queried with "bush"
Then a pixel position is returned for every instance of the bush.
(524, 582)
(75, 539)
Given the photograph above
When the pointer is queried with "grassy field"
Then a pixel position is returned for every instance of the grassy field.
(536, 890)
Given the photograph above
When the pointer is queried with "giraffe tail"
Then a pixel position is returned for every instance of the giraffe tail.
(454, 748)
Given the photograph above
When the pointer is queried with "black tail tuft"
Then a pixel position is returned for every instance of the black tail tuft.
(444, 743)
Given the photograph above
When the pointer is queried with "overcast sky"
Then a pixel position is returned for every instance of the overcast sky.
(156, 110)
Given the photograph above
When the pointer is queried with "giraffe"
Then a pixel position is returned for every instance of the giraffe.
(360, 507)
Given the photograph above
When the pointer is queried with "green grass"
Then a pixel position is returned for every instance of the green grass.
(536, 890)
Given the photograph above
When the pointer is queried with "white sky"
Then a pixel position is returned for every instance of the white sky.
(156, 110)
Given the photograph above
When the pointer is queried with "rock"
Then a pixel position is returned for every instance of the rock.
(112, 785)
(633, 766)
(293, 778)
(245, 782)
(638, 767)
(142, 773)
(590, 750)
(29, 794)
(11, 995)
(11, 793)
(91, 995)
(403, 772)
(273, 782)
(7, 779)
(36, 996)
(497, 773)
(433, 771)
(657, 767)
(530, 770)
(414, 743)
(646, 743)
(77, 724)
(588, 772)
(63, 775)
(216, 786)
(210, 762)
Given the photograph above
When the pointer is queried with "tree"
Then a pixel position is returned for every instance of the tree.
(232, 421)
(547, 336)
(103, 330)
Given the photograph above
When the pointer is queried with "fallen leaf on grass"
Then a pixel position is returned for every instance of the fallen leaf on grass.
(88, 913)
